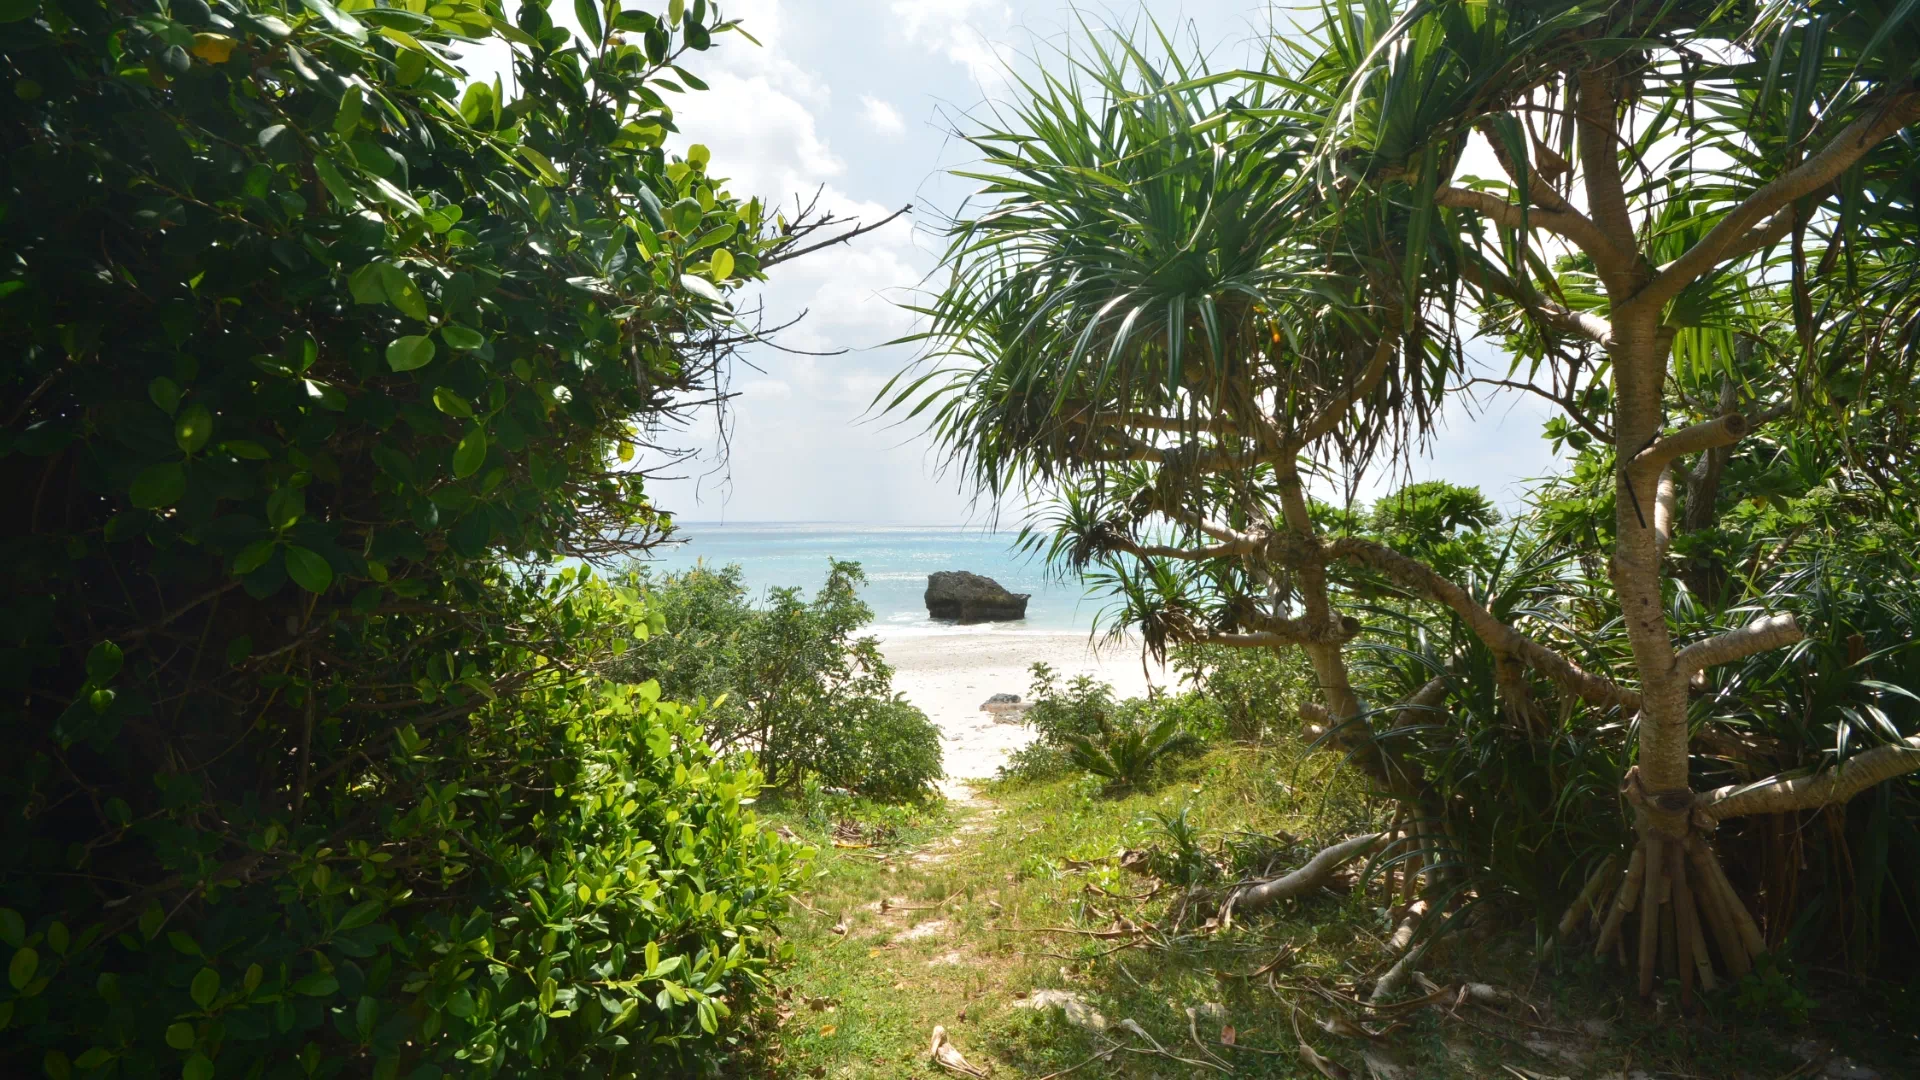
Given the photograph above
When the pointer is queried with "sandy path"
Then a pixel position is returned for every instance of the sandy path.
(948, 674)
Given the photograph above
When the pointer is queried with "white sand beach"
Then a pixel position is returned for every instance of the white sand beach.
(949, 673)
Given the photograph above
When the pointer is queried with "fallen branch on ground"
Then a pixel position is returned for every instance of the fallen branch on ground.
(1315, 873)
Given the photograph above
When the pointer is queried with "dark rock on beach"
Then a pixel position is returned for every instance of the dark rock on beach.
(970, 598)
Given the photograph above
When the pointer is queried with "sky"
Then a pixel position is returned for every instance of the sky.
(858, 100)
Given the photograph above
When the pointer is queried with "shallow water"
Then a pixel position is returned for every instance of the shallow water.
(897, 560)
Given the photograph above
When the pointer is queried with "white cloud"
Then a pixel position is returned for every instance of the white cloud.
(963, 31)
(763, 137)
(880, 116)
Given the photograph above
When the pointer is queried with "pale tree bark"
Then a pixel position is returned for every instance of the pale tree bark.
(1677, 878)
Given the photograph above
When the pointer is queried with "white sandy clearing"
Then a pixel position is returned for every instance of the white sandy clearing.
(950, 673)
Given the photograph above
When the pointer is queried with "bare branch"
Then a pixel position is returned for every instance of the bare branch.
(1500, 637)
(1336, 410)
(1783, 794)
(1597, 125)
(1584, 324)
(1569, 223)
(1407, 713)
(1313, 874)
(1758, 636)
(1663, 509)
(778, 257)
(1736, 231)
(1706, 435)
(1573, 411)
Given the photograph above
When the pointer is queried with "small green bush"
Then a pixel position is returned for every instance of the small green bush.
(884, 748)
(577, 888)
(1080, 725)
(1255, 690)
(318, 353)
(793, 680)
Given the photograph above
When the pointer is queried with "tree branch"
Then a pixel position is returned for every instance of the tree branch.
(1736, 232)
(1583, 324)
(1574, 412)
(1706, 435)
(1758, 636)
(1335, 410)
(858, 230)
(1314, 873)
(1597, 125)
(1568, 223)
(1663, 509)
(1783, 794)
(1498, 636)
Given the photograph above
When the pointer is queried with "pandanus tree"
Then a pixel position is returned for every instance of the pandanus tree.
(1177, 304)
(1161, 318)
(1702, 152)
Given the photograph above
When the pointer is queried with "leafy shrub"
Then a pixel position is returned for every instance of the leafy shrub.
(1127, 752)
(1080, 725)
(577, 885)
(801, 689)
(1176, 854)
(886, 749)
(1254, 690)
(1083, 706)
(307, 343)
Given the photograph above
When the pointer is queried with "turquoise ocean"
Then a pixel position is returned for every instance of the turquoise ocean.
(897, 560)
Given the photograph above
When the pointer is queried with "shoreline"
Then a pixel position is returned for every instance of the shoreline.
(948, 674)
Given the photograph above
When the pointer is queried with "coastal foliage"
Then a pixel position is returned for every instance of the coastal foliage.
(1080, 725)
(1182, 295)
(319, 355)
(791, 679)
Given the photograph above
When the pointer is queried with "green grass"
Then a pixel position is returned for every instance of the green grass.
(866, 985)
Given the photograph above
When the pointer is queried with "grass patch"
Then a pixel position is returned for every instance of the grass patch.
(944, 915)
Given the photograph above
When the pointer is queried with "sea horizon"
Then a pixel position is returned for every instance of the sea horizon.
(896, 557)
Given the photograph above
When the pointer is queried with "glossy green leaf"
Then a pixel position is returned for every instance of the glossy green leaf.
(410, 353)
(588, 12)
(401, 291)
(339, 21)
(24, 965)
(159, 486)
(461, 337)
(251, 558)
(192, 427)
(165, 393)
(206, 983)
(104, 661)
(285, 506)
(318, 984)
(451, 403)
(471, 453)
(307, 569)
(352, 104)
(360, 915)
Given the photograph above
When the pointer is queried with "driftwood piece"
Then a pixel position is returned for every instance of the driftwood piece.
(1314, 874)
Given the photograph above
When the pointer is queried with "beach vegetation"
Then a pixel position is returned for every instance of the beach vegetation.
(790, 679)
(326, 364)
(1185, 299)
(1040, 924)
(1128, 752)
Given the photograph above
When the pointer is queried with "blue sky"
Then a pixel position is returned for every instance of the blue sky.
(858, 99)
